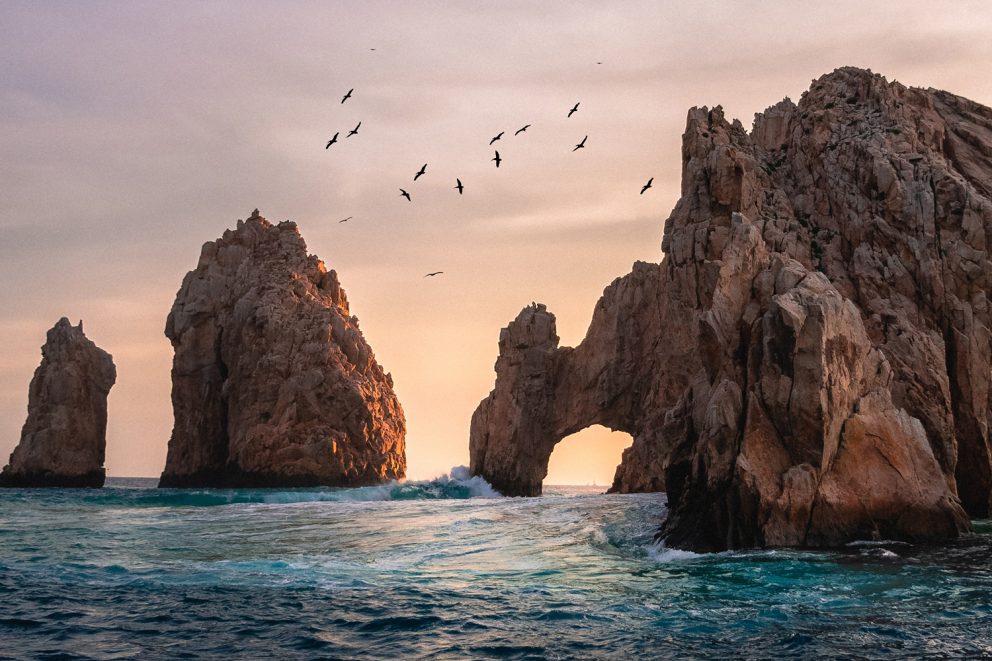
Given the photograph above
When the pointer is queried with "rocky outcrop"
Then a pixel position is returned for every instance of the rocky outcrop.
(820, 354)
(272, 381)
(64, 439)
(545, 392)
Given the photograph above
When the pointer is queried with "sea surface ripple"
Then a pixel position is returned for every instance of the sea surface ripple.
(445, 570)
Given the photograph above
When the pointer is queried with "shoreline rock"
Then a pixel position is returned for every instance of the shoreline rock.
(818, 343)
(64, 439)
(273, 383)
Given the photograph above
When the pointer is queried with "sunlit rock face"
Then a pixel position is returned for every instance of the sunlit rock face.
(272, 381)
(64, 439)
(818, 332)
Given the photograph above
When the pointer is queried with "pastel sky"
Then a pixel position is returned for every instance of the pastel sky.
(131, 133)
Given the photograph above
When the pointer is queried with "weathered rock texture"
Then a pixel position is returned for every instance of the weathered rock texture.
(272, 381)
(811, 361)
(64, 439)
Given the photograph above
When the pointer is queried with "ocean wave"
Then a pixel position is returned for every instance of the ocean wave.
(661, 553)
(457, 484)
(868, 543)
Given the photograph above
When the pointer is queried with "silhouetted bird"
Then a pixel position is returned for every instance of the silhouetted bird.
(647, 185)
(403, 193)
(348, 95)
(346, 219)
(521, 129)
(332, 140)
(497, 159)
(582, 144)
(496, 138)
(420, 173)
(353, 131)
(433, 274)
(574, 109)
(459, 186)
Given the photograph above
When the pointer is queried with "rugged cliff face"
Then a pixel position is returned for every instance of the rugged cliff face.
(823, 322)
(65, 436)
(272, 381)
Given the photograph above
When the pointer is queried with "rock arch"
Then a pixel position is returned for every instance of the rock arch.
(812, 361)
(545, 393)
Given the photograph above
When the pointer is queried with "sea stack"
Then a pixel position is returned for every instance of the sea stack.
(64, 439)
(273, 384)
(813, 362)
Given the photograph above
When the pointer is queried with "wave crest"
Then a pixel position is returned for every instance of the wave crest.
(457, 484)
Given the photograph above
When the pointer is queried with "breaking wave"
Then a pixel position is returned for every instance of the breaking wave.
(457, 484)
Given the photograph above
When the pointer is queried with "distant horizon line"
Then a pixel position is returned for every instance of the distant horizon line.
(158, 477)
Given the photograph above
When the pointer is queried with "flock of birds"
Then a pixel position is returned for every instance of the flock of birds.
(458, 182)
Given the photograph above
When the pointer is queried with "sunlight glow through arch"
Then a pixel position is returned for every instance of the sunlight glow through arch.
(587, 457)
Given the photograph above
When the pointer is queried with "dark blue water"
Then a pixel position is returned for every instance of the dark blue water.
(438, 570)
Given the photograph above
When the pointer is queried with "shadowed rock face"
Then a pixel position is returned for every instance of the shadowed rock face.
(272, 381)
(64, 439)
(818, 333)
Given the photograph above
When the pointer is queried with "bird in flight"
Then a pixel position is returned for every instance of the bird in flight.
(345, 220)
(497, 159)
(497, 137)
(574, 109)
(647, 185)
(420, 172)
(582, 144)
(403, 193)
(353, 131)
(459, 186)
(348, 95)
(521, 129)
(433, 274)
(332, 140)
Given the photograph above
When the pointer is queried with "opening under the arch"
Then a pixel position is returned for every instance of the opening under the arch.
(588, 457)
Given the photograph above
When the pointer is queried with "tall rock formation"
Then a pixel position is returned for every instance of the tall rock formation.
(272, 381)
(817, 335)
(64, 439)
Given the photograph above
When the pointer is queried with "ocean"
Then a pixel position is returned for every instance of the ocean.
(445, 570)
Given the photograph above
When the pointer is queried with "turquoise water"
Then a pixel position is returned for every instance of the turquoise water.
(440, 570)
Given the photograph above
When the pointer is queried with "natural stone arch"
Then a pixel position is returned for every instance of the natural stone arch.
(812, 361)
(545, 393)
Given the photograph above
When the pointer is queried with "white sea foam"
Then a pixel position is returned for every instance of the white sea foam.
(596, 535)
(457, 484)
(477, 486)
(660, 553)
(877, 542)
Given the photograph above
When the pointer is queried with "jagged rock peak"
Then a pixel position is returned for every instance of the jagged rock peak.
(818, 332)
(863, 182)
(64, 438)
(273, 382)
